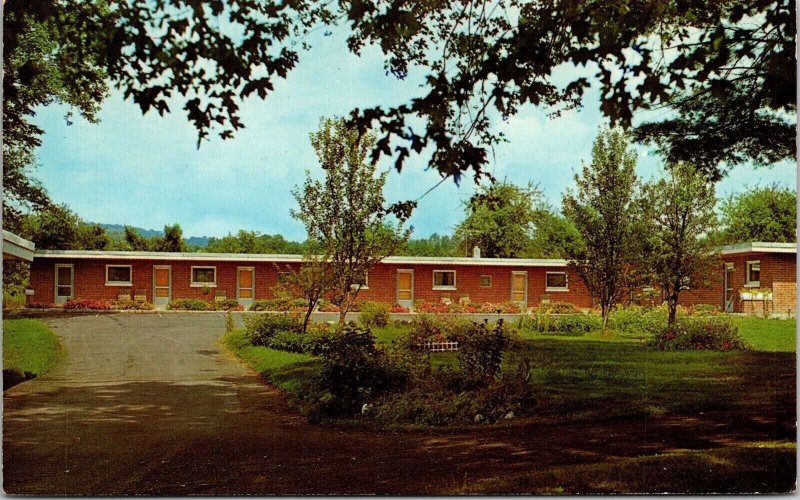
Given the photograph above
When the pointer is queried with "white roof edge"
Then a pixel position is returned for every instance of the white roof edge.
(244, 257)
(17, 247)
(18, 240)
(758, 247)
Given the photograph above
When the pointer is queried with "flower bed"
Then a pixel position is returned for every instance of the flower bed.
(102, 305)
(424, 307)
(202, 305)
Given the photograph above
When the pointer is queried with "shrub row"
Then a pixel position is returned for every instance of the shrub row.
(284, 332)
(575, 324)
(102, 305)
(281, 304)
(699, 333)
(203, 305)
(424, 307)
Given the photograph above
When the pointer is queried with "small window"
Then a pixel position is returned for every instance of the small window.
(284, 277)
(118, 275)
(555, 282)
(204, 276)
(486, 281)
(361, 282)
(444, 280)
(754, 273)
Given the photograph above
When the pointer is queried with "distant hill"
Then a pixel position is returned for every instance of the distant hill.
(117, 229)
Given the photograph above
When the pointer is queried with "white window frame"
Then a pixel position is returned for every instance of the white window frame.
(361, 286)
(445, 287)
(200, 284)
(748, 282)
(120, 283)
(480, 282)
(556, 288)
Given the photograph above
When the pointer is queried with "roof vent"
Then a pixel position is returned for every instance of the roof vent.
(476, 252)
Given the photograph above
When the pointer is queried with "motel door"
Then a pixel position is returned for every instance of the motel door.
(64, 283)
(162, 285)
(729, 295)
(405, 288)
(245, 285)
(519, 288)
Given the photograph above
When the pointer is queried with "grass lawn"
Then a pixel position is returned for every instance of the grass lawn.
(30, 346)
(775, 335)
(284, 370)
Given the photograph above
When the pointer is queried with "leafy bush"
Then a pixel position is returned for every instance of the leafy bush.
(132, 305)
(188, 305)
(635, 319)
(481, 350)
(424, 307)
(90, 304)
(702, 333)
(576, 324)
(436, 328)
(705, 310)
(353, 371)
(397, 308)
(259, 329)
(311, 342)
(558, 308)
(374, 314)
(225, 305)
(329, 307)
(283, 304)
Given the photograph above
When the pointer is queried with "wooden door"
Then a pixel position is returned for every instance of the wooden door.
(405, 288)
(519, 288)
(245, 285)
(64, 283)
(162, 285)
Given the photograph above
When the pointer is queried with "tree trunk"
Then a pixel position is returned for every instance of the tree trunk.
(672, 306)
(311, 305)
(343, 308)
(604, 312)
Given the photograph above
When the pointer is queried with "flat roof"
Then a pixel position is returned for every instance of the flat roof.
(16, 247)
(250, 257)
(758, 247)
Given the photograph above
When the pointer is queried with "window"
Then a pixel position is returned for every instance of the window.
(284, 277)
(204, 276)
(444, 280)
(486, 281)
(556, 282)
(753, 273)
(361, 282)
(118, 275)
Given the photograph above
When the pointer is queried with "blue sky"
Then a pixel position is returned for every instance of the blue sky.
(146, 171)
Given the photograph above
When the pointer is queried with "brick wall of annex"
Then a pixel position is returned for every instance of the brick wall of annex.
(778, 272)
(89, 281)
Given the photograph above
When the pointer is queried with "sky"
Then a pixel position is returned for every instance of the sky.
(147, 171)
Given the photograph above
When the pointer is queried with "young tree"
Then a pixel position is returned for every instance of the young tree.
(681, 208)
(554, 236)
(312, 280)
(606, 211)
(499, 220)
(763, 214)
(345, 212)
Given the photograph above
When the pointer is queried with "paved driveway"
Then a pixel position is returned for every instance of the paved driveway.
(150, 404)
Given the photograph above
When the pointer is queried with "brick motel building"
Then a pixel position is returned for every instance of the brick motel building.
(60, 275)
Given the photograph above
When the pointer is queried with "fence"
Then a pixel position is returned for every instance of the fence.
(440, 346)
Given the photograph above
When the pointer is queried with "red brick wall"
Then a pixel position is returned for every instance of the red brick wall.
(89, 281)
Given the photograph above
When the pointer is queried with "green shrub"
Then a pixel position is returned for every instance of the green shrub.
(481, 350)
(229, 324)
(705, 310)
(225, 305)
(566, 324)
(310, 342)
(353, 371)
(374, 314)
(259, 329)
(437, 328)
(558, 308)
(635, 319)
(282, 304)
(700, 333)
(133, 305)
(189, 305)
